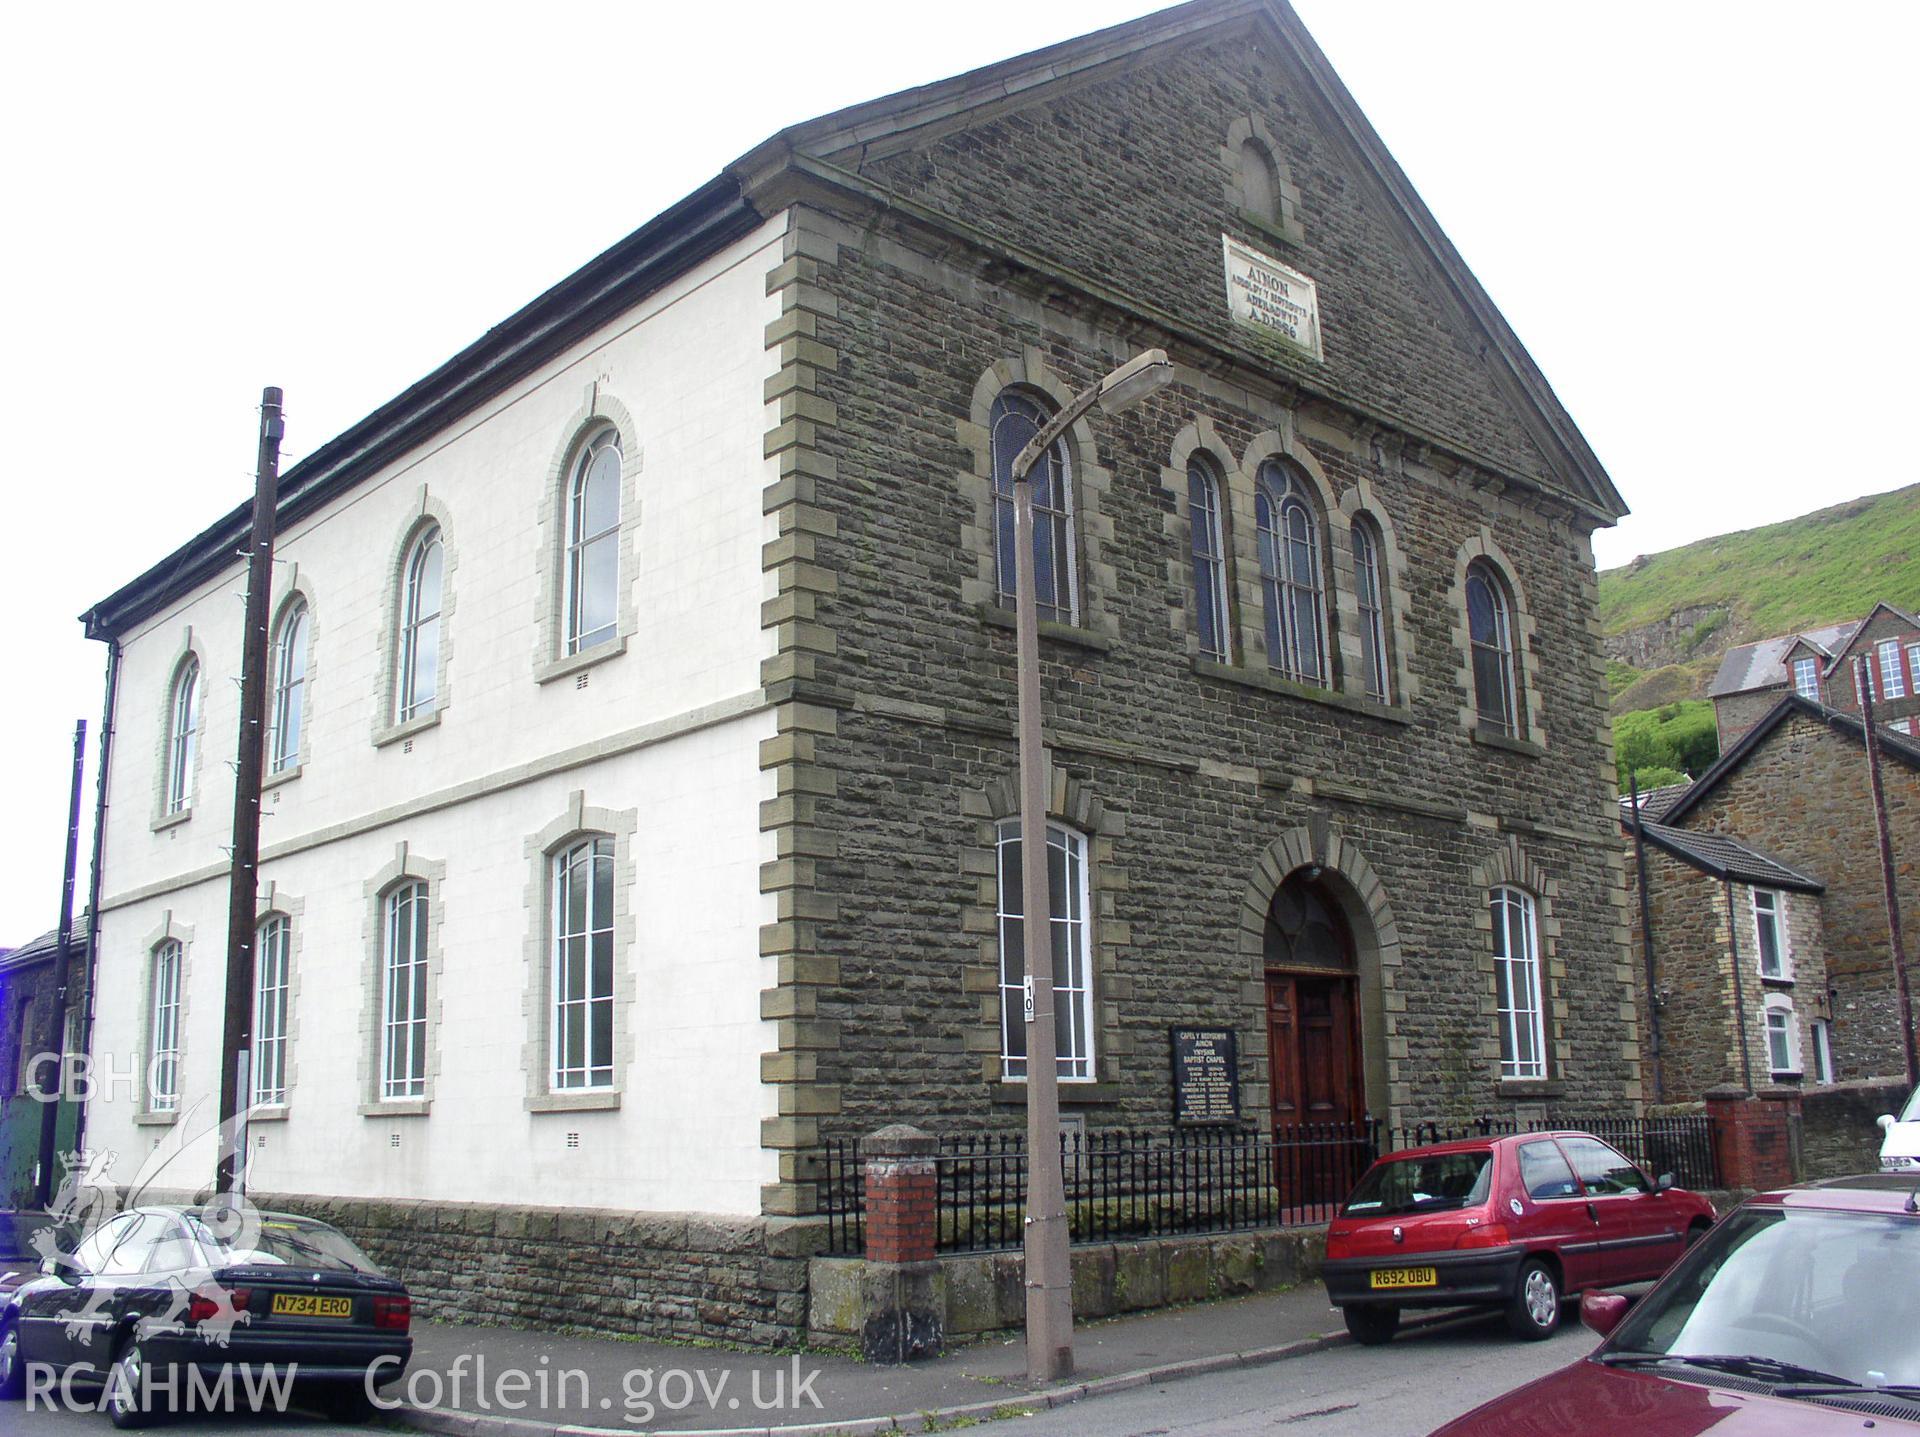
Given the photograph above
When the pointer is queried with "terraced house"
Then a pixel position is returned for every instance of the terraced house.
(642, 766)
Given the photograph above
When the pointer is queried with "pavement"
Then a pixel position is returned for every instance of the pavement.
(470, 1381)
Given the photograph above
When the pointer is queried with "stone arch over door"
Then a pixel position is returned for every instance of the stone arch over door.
(1341, 868)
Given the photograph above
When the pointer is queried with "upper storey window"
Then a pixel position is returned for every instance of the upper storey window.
(183, 725)
(1490, 626)
(418, 673)
(1370, 601)
(289, 689)
(1290, 575)
(1017, 417)
(1806, 678)
(1209, 558)
(593, 543)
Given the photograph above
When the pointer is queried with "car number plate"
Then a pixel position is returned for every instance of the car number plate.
(1405, 1277)
(301, 1304)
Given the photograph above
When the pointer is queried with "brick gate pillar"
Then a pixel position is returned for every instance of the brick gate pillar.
(1753, 1137)
(903, 1289)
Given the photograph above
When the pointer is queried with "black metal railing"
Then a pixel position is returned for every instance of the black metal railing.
(1123, 1184)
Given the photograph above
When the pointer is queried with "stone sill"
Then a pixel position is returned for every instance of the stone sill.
(591, 1101)
(173, 820)
(285, 775)
(155, 1120)
(1012, 1093)
(1493, 738)
(1272, 683)
(550, 670)
(1521, 1089)
(420, 723)
(398, 1108)
(1050, 629)
(1778, 980)
(1267, 228)
(278, 1113)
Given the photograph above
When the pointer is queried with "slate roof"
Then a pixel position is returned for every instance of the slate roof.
(40, 950)
(1654, 802)
(1762, 664)
(1728, 858)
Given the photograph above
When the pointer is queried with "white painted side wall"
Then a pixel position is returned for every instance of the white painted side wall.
(670, 728)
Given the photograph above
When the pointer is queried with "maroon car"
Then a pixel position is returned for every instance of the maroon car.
(1795, 1317)
(1515, 1221)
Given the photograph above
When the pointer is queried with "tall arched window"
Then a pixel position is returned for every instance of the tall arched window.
(418, 675)
(403, 1006)
(289, 689)
(593, 543)
(1516, 979)
(183, 724)
(581, 1037)
(1370, 604)
(1072, 953)
(1490, 627)
(272, 982)
(1290, 575)
(163, 1029)
(1209, 558)
(1016, 418)
(26, 1044)
(1259, 184)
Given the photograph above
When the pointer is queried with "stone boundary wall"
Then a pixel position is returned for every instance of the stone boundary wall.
(1838, 1131)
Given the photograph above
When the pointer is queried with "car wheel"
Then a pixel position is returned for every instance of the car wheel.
(126, 1388)
(13, 1368)
(347, 1402)
(1371, 1325)
(1534, 1311)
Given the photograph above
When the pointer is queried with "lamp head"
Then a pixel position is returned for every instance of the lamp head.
(1133, 381)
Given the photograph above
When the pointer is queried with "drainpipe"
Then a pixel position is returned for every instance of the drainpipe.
(105, 761)
(1739, 991)
(1646, 942)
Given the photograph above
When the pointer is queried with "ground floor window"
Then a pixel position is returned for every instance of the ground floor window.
(272, 976)
(1516, 974)
(582, 1034)
(1783, 1041)
(1072, 954)
(163, 1031)
(1822, 1053)
(403, 1031)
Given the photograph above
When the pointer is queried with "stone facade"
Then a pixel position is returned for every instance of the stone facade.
(1893, 702)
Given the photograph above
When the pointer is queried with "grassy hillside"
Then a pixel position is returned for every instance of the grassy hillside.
(1818, 569)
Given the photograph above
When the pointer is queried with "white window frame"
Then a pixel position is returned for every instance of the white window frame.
(272, 988)
(415, 621)
(570, 1003)
(1806, 678)
(1902, 726)
(289, 689)
(1370, 603)
(24, 1045)
(1287, 524)
(1075, 1061)
(1782, 1025)
(1051, 478)
(163, 1027)
(405, 991)
(1208, 553)
(1822, 1046)
(1518, 993)
(1771, 914)
(183, 724)
(1893, 679)
(1507, 721)
(580, 544)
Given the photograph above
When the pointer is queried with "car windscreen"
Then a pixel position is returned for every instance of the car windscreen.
(1911, 1113)
(1821, 1289)
(277, 1242)
(1422, 1182)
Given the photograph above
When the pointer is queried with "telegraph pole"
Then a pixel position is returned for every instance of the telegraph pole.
(1863, 680)
(1646, 939)
(55, 1042)
(236, 1045)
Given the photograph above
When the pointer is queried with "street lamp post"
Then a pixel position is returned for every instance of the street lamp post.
(1048, 1265)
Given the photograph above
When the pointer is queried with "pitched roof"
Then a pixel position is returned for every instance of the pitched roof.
(1763, 663)
(1893, 746)
(39, 950)
(1654, 802)
(1725, 857)
(732, 204)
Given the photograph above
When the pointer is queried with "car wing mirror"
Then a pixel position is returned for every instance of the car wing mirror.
(1602, 1311)
(1885, 1120)
(1663, 1182)
(55, 1267)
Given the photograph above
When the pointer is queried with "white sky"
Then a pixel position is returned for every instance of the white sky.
(1698, 217)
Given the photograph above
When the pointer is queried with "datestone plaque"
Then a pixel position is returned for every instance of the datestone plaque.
(1206, 1075)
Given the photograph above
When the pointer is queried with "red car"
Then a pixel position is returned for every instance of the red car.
(1517, 1221)
(1794, 1318)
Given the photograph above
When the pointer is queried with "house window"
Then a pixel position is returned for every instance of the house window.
(418, 676)
(1490, 628)
(1016, 418)
(289, 689)
(1783, 1041)
(593, 543)
(182, 727)
(1370, 600)
(1902, 726)
(1913, 665)
(1516, 973)
(24, 1044)
(271, 974)
(163, 1029)
(1770, 934)
(403, 972)
(1893, 680)
(1209, 558)
(581, 1038)
(1072, 954)
(1289, 534)
(1822, 1053)
(1806, 678)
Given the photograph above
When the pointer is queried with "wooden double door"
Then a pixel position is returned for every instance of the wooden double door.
(1313, 1046)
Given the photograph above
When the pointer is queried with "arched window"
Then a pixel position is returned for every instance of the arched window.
(163, 1029)
(289, 689)
(272, 982)
(1209, 558)
(1259, 183)
(1516, 977)
(1370, 604)
(418, 675)
(25, 1045)
(1490, 627)
(593, 543)
(1016, 418)
(403, 985)
(1072, 953)
(581, 1036)
(1783, 1036)
(183, 725)
(1290, 575)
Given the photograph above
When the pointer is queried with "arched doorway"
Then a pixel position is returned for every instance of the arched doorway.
(1313, 1012)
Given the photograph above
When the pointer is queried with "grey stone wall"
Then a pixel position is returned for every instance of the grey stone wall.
(1839, 1132)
